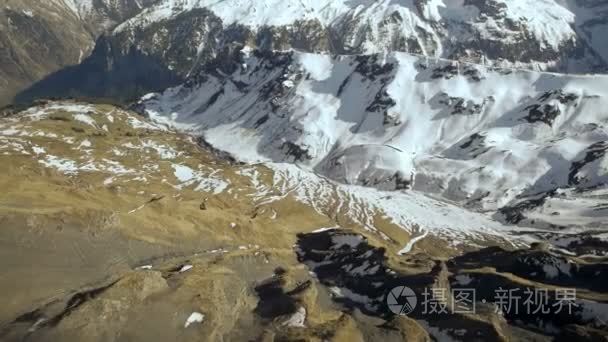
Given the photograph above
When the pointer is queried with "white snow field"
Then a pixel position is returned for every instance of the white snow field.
(525, 147)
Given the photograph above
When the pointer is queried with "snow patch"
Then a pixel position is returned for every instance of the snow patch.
(185, 268)
(194, 318)
(297, 319)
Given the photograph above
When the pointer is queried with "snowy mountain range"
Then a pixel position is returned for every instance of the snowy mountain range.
(158, 44)
(525, 145)
(454, 99)
(547, 34)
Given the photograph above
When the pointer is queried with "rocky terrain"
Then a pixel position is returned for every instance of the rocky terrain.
(548, 34)
(525, 146)
(358, 275)
(107, 217)
(307, 170)
(167, 41)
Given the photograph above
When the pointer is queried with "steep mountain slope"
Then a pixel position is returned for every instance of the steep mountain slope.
(497, 140)
(104, 214)
(535, 34)
(170, 40)
(38, 38)
(408, 214)
(309, 158)
(103, 15)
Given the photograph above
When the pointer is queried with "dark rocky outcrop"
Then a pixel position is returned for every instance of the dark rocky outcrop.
(360, 277)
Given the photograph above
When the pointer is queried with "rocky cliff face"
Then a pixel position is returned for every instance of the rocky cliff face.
(38, 38)
(131, 62)
(103, 15)
(556, 35)
(176, 38)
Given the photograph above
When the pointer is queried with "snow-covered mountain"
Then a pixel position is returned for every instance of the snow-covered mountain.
(549, 34)
(165, 41)
(475, 128)
(101, 15)
(106, 214)
(529, 146)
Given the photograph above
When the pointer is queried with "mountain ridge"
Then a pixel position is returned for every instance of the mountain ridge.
(436, 28)
(177, 38)
(382, 121)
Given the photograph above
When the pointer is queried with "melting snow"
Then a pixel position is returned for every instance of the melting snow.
(86, 119)
(85, 143)
(195, 317)
(412, 242)
(297, 319)
(38, 150)
(207, 183)
(63, 165)
(164, 151)
(186, 268)
(183, 173)
(141, 124)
